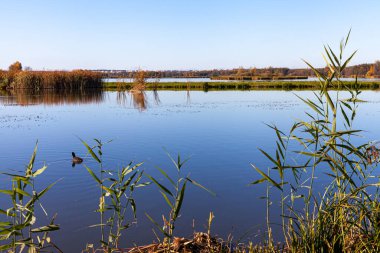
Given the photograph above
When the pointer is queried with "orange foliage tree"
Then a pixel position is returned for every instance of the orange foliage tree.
(371, 71)
(15, 67)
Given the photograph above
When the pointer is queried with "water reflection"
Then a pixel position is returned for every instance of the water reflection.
(156, 97)
(139, 99)
(136, 98)
(122, 98)
(188, 98)
(26, 97)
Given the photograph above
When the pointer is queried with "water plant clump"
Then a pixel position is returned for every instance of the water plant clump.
(53, 80)
(174, 195)
(117, 206)
(344, 217)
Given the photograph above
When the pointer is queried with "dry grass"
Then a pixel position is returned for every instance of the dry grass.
(200, 243)
(55, 80)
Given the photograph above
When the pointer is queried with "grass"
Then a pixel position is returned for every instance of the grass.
(247, 85)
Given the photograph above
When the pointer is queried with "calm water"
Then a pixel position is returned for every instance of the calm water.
(221, 131)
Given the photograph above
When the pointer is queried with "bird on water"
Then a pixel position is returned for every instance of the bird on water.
(76, 159)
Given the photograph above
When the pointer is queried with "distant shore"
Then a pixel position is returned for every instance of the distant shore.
(241, 85)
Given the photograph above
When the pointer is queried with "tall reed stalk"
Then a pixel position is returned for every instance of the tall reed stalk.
(18, 230)
(174, 195)
(344, 217)
(117, 206)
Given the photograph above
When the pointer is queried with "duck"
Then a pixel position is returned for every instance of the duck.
(76, 159)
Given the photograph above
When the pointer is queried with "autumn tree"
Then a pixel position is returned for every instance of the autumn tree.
(15, 67)
(240, 71)
(371, 71)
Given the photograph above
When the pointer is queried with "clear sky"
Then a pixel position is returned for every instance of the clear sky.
(183, 34)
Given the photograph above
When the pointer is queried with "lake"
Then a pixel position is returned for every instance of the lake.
(220, 131)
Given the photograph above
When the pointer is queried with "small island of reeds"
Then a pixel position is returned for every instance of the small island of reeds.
(16, 78)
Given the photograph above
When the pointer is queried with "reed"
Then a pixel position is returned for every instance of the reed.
(117, 206)
(54, 80)
(173, 194)
(18, 230)
(345, 216)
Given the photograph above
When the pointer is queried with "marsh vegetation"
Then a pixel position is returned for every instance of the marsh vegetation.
(16, 79)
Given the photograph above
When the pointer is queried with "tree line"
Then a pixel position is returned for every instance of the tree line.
(361, 70)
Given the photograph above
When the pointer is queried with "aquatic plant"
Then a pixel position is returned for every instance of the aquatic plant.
(116, 202)
(139, 80)
(54, 80)
(18, 230)
(345, 216)
(174, 195)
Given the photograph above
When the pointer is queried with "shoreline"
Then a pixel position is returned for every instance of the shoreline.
(246, 85)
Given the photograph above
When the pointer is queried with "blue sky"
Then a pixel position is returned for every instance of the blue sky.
(183, 34)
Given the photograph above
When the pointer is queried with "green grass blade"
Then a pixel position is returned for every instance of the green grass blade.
(93, 174)
(89, 149)
(267, 177)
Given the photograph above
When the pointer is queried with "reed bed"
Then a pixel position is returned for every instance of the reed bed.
(54, 80)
